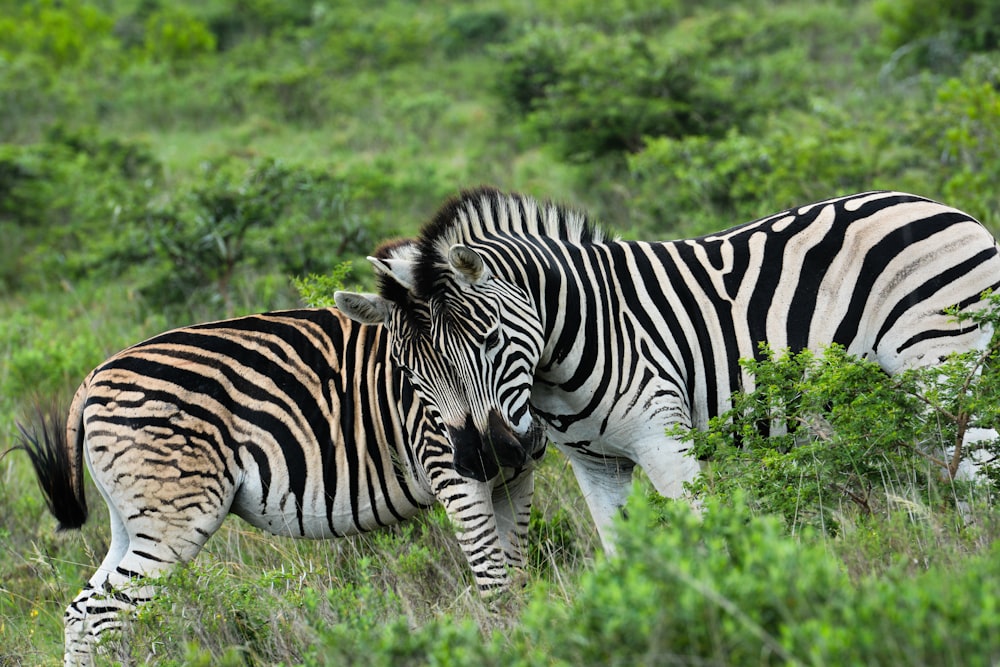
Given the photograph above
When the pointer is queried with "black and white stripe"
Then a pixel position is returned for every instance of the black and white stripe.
(610, 342)
(297, 421)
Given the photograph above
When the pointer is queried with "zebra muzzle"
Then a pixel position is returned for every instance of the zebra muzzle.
(480, 456)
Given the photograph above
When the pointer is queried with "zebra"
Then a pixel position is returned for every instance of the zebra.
(532, 311)
(297, 421)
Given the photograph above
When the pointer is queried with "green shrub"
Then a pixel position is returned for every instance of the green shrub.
(932, 27)
(61, 194)
(63, 34)
(174, 35)
(591, 91)
(733, 588)
(966, 125)
(592, 94)
(818, 435)
(470, 31)
(686, 591)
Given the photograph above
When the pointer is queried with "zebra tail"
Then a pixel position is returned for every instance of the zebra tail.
(58, 470)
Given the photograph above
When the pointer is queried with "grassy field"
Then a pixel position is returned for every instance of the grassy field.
(169, 163)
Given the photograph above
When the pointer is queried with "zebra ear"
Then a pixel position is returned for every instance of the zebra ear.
(400, 270)
(467, 265)
(363, 307)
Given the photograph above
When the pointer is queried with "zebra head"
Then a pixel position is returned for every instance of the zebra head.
(467, 346)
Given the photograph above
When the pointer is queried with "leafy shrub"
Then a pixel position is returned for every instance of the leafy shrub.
(316, 289)
(174, 35)
(593, 92)
(695, 185)
(63, 34)
(470, 31)
(647, 16)
(686, 591)
(264, 215)
(734, 588)
(966, 126)
(968, 25)
(296, 95)
(355, 37)
(234, 22)
(61, 193)
(818, 433)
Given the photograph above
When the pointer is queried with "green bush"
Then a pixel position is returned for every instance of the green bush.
(697, 184)
(817, 434)
(732, 588)
(470, 31)
(933, 27)
(686, 591)
(61, 194)
(591, 91)
(63, 34)
(592, 94)
(243, 219)
(966, 126)
(174, 35)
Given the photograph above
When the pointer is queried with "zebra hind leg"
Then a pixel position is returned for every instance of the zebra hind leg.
(95, 610)
(150, 543)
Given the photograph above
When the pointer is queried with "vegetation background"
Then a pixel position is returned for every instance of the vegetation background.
(164, 163)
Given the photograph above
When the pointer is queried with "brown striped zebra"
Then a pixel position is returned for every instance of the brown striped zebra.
(296, 421)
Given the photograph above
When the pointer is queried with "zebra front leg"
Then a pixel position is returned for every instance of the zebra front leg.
(512, 507)
(469, 505)
(605, 483)
(667, 463)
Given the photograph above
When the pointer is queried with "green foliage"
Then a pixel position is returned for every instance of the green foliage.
(967, 25)
(967, 124)
(173, 34)
(733, 580)
(814, 435)
(470, 31)
(696, 184)
(170, 162)
(63, 34)
(593, 92)
(316, 289)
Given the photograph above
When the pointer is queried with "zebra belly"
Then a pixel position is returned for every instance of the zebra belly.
(312, 521)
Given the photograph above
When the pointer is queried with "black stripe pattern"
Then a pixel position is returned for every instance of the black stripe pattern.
(297, 421)
(610, 342)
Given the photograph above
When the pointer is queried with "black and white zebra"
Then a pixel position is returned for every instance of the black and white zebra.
(296, 421)
(527, 308)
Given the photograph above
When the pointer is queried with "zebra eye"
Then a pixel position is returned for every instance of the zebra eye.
(492, 339)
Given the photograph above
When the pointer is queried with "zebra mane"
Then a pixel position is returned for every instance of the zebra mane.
(485, 213)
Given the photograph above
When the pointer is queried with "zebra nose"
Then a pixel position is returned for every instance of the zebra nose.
(471, 459)
(506, 446)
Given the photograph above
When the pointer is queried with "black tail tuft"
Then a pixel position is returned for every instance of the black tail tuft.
(49, 456)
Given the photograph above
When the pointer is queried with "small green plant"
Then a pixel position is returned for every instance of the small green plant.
(316, 289)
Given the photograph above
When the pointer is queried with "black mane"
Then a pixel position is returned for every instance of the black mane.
(500, 213)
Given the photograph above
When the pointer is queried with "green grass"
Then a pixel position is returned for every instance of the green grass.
(405, 104)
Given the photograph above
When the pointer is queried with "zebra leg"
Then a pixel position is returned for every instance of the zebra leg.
(118, 588)
(82, 629)
(666, 462)
(154, 527)
(512, 507)
(469, 505)
(605, 484)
